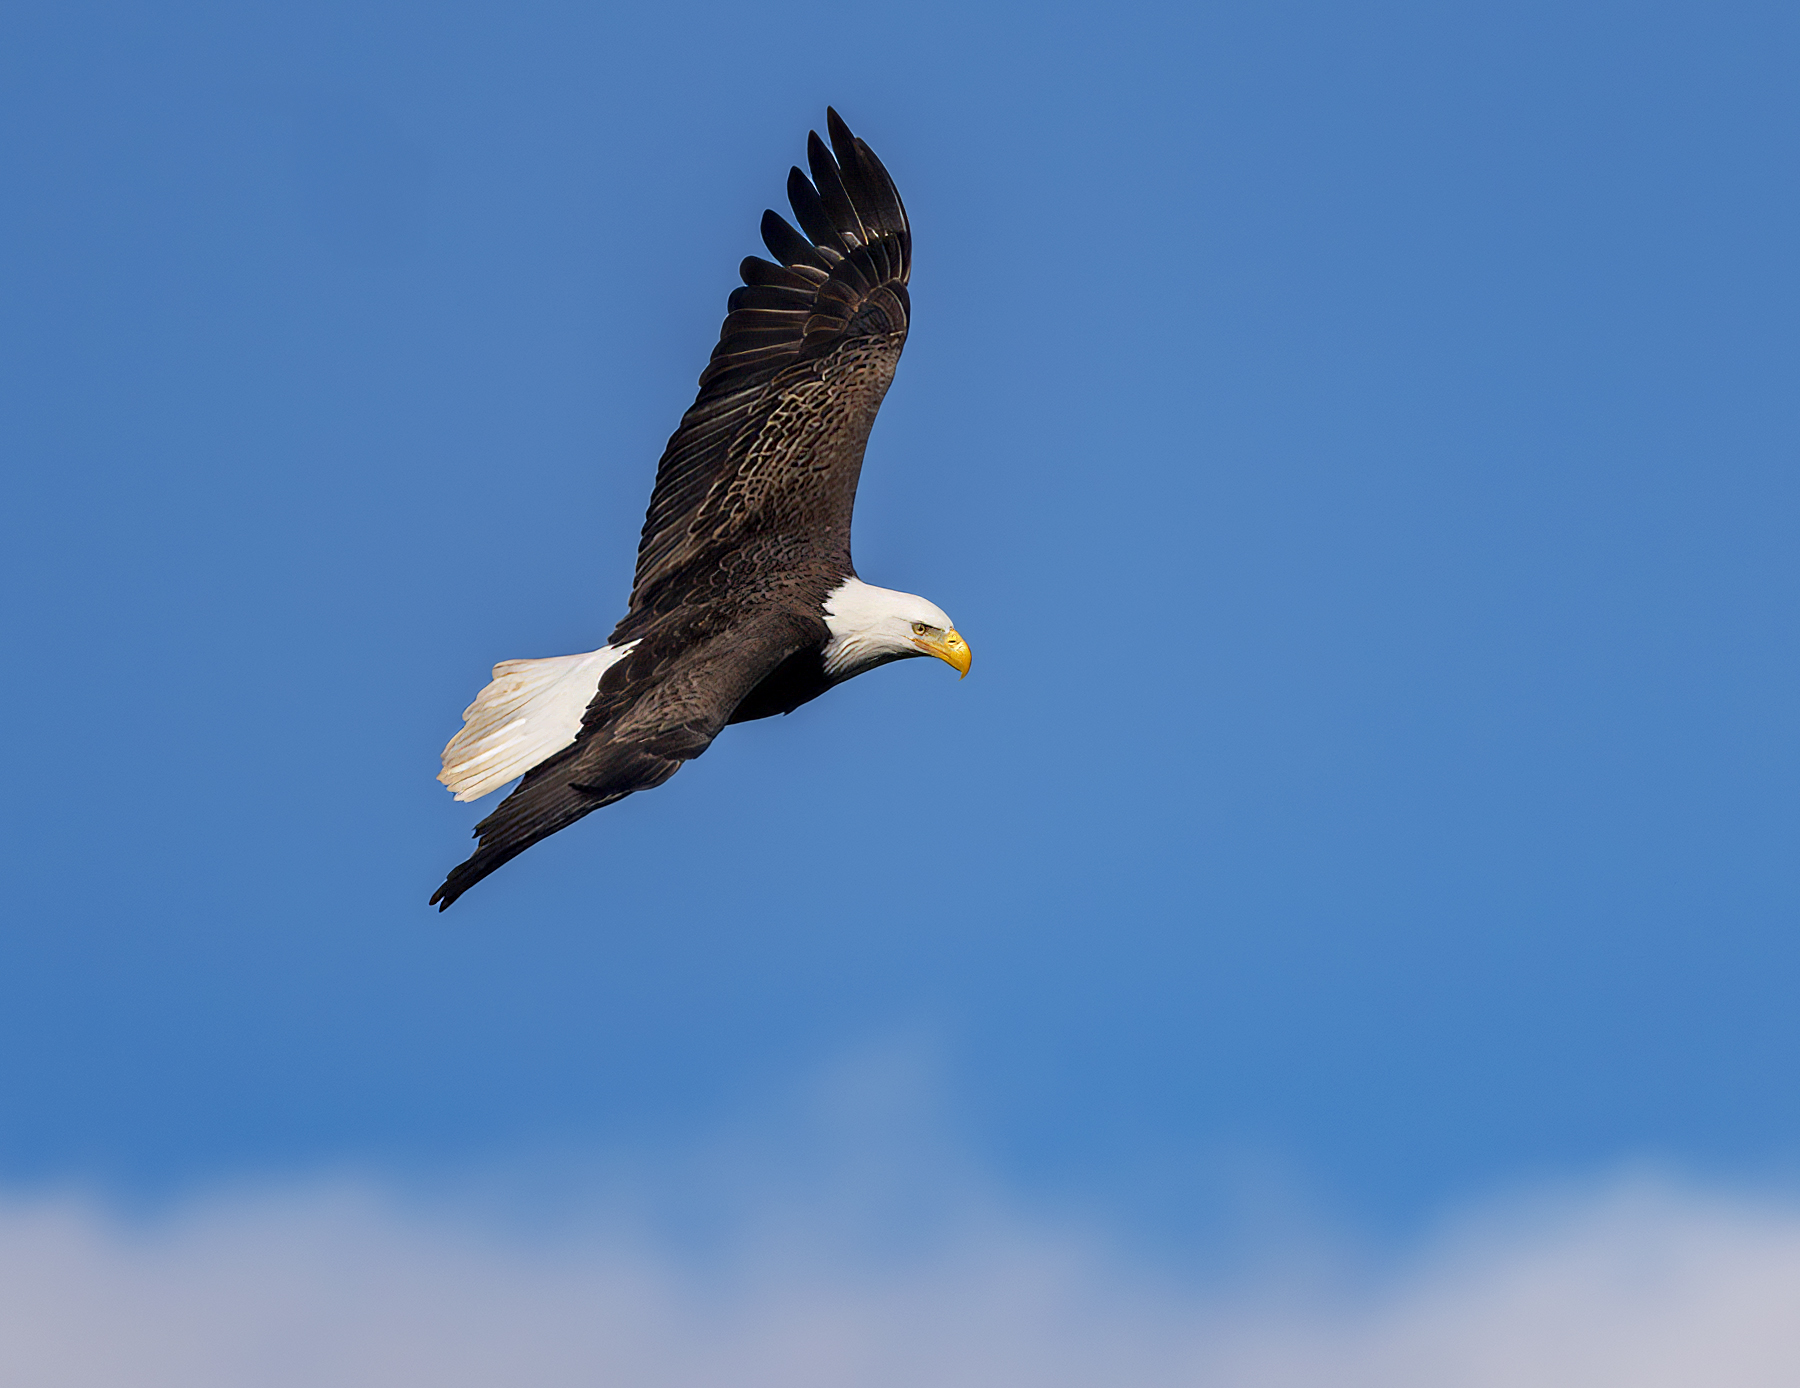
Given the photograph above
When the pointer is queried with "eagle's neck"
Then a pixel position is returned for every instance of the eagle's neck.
(865, 624)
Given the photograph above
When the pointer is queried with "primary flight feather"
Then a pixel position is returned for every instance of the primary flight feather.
(745, 603)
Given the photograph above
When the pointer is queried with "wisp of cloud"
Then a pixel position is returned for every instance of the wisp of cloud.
(1637, 1281)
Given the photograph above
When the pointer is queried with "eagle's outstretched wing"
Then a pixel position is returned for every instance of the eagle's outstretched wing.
(659, 707)
(768, 457)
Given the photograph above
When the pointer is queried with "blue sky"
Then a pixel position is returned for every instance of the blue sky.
(1357, 441)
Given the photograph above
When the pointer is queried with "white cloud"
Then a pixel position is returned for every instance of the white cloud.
(843, 1244)
(1643, 1284)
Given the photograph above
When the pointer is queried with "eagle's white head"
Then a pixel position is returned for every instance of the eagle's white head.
(871, 626)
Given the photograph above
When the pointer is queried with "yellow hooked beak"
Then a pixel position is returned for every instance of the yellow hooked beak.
(952, 650)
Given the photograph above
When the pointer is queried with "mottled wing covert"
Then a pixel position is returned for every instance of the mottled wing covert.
(774, 442)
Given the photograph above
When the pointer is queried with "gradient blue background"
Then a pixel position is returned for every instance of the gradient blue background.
(1357, 440)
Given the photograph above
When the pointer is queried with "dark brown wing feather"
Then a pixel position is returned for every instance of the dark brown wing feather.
(659, 707)
(773, 445)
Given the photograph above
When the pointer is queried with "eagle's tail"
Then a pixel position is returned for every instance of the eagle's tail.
(530, 711)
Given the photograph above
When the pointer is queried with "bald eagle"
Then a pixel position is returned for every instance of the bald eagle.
(745, 603)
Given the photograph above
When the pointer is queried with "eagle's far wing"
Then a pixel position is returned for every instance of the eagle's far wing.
(658, 707)
(774, 442)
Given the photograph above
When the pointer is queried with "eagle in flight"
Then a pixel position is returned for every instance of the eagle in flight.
(745, 602)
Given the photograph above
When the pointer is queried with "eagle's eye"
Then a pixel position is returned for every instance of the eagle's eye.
(920, 628)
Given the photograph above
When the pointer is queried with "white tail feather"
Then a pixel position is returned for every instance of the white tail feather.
(530, 711)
